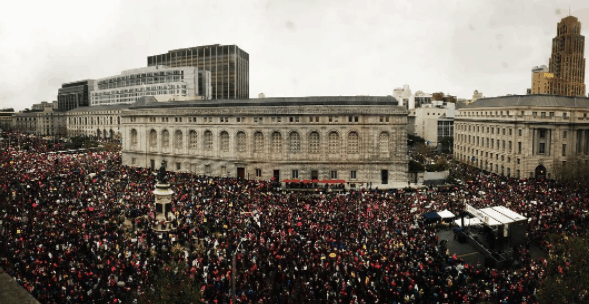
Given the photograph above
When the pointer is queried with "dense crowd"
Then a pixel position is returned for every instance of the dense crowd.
(63, 235)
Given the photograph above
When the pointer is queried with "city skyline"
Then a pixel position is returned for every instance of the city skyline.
(297, 49)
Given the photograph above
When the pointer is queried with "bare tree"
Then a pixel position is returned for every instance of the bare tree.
(567, 273)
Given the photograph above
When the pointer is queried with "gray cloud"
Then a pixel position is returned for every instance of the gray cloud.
(297, 48)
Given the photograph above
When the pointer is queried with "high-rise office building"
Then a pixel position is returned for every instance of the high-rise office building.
(228, 64)
(567, 62)
(74, 94)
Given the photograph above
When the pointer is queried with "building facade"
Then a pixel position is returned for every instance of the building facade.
(360, 139)
(44, 105)
(567, 62)
(426, 121)
(7, 119)
(74, 94)
(522, 136)
(541, 78)
(130, 85)
(228, 65)
(404, 96)
(422, 99)
(476, 95)
(102, 122)
(48, 122)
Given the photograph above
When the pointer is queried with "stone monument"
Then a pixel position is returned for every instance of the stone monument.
(165, 219)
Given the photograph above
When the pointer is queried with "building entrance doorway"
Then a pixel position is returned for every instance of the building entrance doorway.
(384, 176)
(240, 173)
(276, 175)
(541, 172)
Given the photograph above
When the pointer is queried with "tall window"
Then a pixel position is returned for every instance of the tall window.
(208, 141)
(353, 142)
(178, 140)
(224, 137)
(258, 142)
(294, 142)
(334, 143)
(542, 148)
(192, 140)
(134, 137)
(383, 142)
(241, 143)
(165, 139)
(152, 139)
(313, 143)
(276, 142)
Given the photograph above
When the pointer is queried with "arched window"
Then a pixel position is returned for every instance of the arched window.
(178, 140)
(294, 142)
(224, 136)
(258, 142)
(208, 142)
(276, 142)
(134, 141)
(165, 139)
(353, 142)
(334, 143)
(313, 142)
(192, 140)
(383, 142)
(241, 143)
(152, 139)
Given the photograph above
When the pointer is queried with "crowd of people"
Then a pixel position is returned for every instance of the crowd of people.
(65, 235)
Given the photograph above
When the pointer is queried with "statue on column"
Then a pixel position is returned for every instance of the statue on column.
(162, 176)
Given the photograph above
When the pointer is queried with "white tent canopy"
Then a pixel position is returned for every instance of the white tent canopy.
(446, 214)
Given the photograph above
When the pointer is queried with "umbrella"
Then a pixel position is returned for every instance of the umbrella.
(323, 181)
(306, 181)
(295, 181)
(331, 181)
(341, 181)
(286, 181)
(315, 180)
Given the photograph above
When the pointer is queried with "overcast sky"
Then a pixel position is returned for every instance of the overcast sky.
(296, 48)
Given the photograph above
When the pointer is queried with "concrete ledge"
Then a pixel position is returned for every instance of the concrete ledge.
(12, 293)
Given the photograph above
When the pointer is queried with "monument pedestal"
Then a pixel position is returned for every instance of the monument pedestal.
(165, 218)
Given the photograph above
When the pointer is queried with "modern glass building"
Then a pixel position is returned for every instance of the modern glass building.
(228, 64)
(74, 94)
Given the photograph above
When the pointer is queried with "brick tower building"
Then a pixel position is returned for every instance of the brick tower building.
(567, 62)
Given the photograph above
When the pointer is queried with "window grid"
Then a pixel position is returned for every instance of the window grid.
(333, 143)
(258, 142)
(314, 143)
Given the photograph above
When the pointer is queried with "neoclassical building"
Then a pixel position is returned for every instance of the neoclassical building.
(96, 121)
(361, 139)
(522, 136)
